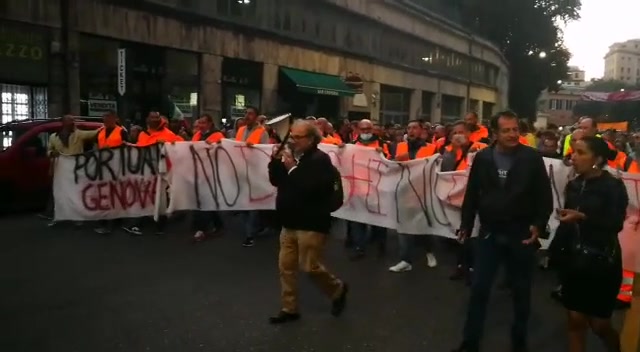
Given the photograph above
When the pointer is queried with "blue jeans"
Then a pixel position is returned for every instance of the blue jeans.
(491, 250)
(361, 237)
(251, 219)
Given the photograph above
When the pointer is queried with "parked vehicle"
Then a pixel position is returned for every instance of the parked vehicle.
(25, 169)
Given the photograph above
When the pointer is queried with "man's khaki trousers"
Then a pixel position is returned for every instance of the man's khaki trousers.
(303, 250)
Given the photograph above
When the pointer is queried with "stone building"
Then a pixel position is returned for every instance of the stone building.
(387, 60)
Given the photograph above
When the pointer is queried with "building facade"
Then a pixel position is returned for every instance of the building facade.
(622, 62)
(557, 106)
(336, 58)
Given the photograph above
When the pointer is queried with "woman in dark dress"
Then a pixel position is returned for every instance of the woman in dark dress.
(591, 272)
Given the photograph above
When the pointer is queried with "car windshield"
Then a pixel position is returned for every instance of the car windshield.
(9, 134)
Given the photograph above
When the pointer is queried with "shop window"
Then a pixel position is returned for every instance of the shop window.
(22, 102)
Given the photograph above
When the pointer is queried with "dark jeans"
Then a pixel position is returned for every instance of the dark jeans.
(490, 251)
(464, 254)
(360, 236)
(202, 219)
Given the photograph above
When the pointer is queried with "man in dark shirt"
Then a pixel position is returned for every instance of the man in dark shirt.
(510, 192)
(305, 180)
(549, 147)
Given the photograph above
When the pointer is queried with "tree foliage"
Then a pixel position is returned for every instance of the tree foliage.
(609, 86)
(523, 29)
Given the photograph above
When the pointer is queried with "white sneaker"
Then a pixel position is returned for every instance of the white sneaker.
(432, 262)
(401, 267)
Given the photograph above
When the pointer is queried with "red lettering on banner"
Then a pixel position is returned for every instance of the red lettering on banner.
(369, 179)
(120, 194)
(252, 197)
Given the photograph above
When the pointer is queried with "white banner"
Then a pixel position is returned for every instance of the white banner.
(107, 184)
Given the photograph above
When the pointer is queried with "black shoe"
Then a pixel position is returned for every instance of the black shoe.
(338, 304)
(466, 347)
(458, 275)
(357, 254)
(283, 317)
(556, 294)
(248, 242)
(620, 305)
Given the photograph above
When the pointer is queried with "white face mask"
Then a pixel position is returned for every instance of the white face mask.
(366, 136)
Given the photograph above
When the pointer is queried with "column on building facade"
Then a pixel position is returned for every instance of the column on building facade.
(210, 95)
(465, 103)
(269, 101)
(57, 83)
(415, 104)
(72, 57)
(436, 108)
(374, 99)
(479, 111)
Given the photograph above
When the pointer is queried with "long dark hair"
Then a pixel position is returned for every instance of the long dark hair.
(600, 148)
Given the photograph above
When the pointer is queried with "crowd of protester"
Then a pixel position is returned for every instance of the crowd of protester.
(417, 139)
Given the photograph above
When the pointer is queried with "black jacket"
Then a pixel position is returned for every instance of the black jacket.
(604, 201)
(525, 199)
(302, 202)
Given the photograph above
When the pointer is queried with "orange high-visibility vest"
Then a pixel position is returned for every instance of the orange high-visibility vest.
(626, 289)
(254, 137)
(424, 152)
(480, 133)
(377, 144)
(113, 140)
(523, 140)
(146, 138)
(462, 160)
(330, 140)
(215, 137)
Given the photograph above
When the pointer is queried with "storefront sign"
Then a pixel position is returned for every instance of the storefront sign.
(23, 53)
(98, 108)
(327, 92)
(122, 71)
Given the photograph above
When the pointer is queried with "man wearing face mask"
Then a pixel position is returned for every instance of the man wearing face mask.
(358, 231)
(456, 158)
(414, 148)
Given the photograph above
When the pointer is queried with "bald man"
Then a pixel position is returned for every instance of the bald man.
(328, 135)
(356, 231)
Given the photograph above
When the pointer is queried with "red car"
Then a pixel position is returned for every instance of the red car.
(25, 175)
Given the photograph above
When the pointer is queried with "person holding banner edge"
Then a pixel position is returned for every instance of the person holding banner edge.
(509, 190)
(414, 148)
(207, 133)
(251, 133)
(111, 135)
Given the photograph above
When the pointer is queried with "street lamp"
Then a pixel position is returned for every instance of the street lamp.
(542, 55)
(622, 89)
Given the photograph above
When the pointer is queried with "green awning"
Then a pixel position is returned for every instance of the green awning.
(317, 83)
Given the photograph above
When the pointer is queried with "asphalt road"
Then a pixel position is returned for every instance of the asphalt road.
(70, 290)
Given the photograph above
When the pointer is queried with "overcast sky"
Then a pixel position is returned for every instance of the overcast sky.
(602, 23)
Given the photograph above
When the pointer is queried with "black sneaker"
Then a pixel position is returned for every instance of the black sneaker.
(466, 347)
(283, 317)
(248, 242)
(459, 274)
(338, 304)
(357, 254)
(102, 231)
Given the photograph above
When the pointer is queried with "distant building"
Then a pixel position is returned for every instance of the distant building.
(558, 106)
(622, 62)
